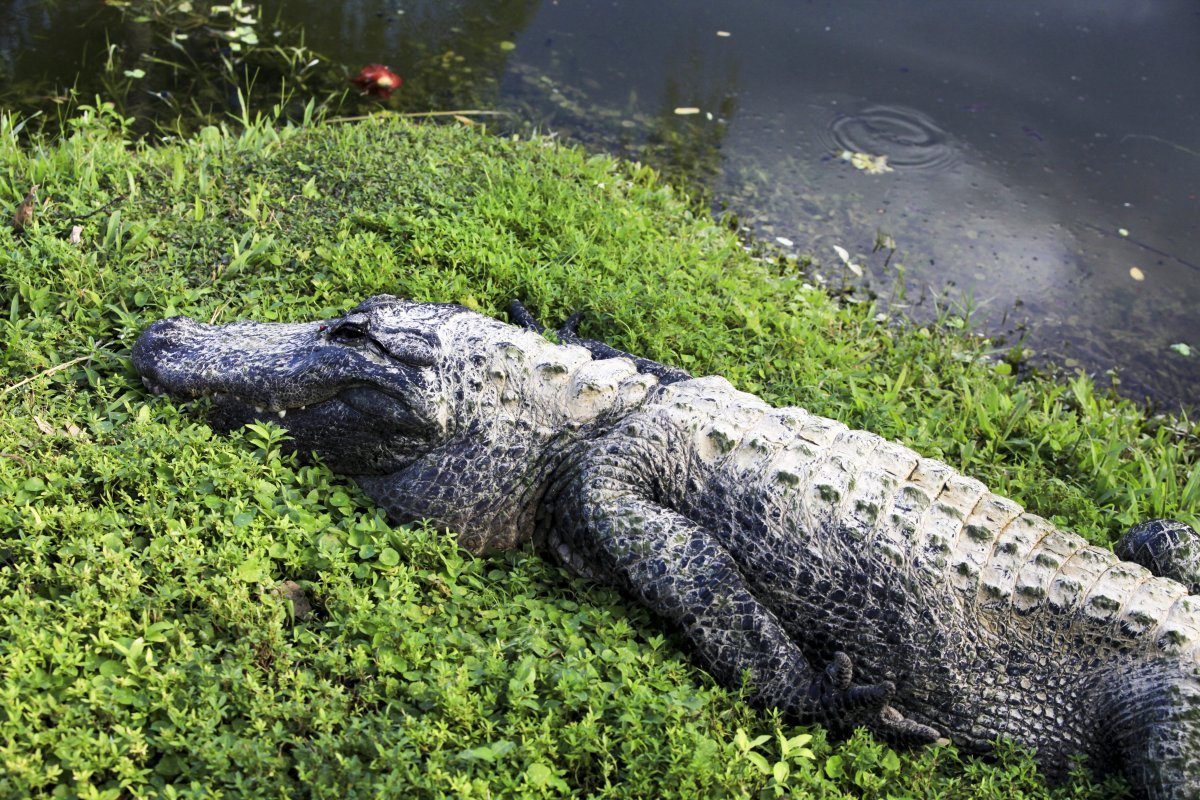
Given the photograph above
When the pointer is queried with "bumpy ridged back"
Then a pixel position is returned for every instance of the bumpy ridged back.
(929, 521)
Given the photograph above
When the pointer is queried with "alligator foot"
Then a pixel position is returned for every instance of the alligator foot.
(568, 333)
(838, 705)
(834, 697)
(1166, 547)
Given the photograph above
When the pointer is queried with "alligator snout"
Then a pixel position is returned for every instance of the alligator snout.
(270, 365)
(160, 345)
(279, 367)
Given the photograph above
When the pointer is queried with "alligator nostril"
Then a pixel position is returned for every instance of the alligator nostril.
(159, 339)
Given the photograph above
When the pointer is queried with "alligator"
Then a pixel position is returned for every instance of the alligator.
(842, 578)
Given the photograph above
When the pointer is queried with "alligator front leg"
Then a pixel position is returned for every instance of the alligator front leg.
(472, 487)
(606, 528)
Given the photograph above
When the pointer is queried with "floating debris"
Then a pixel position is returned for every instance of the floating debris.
(844, 255)
(1181, 348)
(686, 110)
(783, 240)
(872, 165)
(1123, 231)
(724, 33)
(1137, 274)
(378, 80)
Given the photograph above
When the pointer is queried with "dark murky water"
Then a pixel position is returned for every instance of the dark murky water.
(1044, 157)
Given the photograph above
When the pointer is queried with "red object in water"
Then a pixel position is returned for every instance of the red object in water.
(378, 80)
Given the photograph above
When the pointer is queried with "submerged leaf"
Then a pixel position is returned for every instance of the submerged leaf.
(872, 165)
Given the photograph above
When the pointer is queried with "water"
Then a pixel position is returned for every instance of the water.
(1044, 155)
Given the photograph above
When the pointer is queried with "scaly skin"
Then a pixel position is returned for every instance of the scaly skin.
(853, 581)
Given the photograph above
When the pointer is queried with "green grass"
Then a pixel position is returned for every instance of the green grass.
(145, 648)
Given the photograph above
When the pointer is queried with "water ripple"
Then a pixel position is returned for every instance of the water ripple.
(909, 138)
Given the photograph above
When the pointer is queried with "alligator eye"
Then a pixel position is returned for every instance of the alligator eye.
(348, 333)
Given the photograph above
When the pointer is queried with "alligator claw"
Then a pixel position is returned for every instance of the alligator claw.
(840, 672)
(896, 729)
(568, 333)
(840, 705)
(570, 328)
(521, 315)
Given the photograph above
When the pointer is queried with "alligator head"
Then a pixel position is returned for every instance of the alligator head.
(360, 391)
(438, 413)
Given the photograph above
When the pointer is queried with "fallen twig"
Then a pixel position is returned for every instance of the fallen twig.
(476, 112)
(46, 372)
(105, 207)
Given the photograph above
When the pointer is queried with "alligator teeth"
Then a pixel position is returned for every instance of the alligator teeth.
(154, 388)
(282, 413)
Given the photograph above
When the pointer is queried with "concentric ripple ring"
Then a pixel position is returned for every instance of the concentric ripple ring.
(910, 139)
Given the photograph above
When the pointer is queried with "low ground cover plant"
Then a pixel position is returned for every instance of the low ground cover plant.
(190, 615)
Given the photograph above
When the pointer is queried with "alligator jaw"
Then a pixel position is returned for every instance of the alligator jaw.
(157, 389)
(369, 401)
